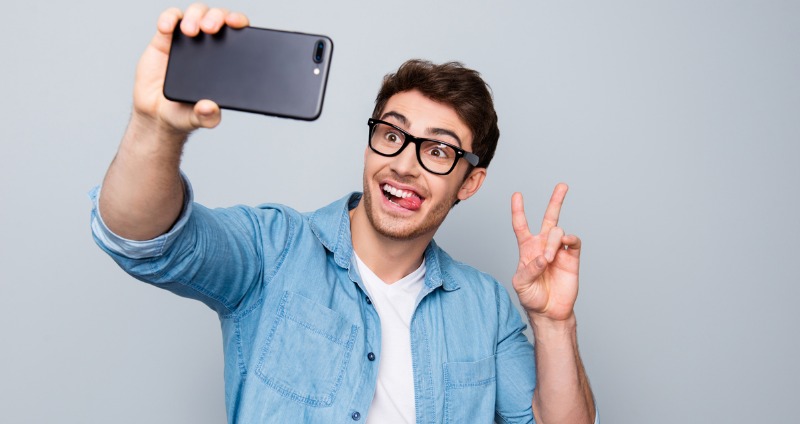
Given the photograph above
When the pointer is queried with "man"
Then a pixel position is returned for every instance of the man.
(352, 312)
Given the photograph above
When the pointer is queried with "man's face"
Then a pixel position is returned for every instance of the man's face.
(401, 199)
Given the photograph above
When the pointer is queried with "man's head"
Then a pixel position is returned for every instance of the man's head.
(448, 103)
(456, 86)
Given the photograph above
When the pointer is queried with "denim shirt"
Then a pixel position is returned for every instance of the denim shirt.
(301, 339)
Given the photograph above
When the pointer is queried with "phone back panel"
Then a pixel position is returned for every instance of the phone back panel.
(251, 69)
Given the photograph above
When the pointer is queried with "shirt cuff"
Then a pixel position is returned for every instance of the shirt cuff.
(139, 249)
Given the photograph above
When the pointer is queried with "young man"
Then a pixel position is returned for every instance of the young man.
(352, 312)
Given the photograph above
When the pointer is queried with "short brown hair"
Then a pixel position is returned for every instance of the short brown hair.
(454, 85)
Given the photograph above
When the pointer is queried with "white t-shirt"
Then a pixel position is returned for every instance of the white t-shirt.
(394, 393)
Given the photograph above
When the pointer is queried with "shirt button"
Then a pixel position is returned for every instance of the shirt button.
(356, 416)
(369, 301)
(371, 356)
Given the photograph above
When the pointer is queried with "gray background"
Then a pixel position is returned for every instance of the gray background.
(675, 123)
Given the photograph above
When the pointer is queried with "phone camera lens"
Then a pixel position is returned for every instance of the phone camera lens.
(318, 51)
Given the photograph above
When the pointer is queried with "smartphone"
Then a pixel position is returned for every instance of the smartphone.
(251, 69)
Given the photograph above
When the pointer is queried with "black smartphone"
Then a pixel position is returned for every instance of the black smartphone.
(251, 69)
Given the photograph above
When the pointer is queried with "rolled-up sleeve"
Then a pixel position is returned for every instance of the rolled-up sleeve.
(136, 249)
(217, 256)
(516, 365)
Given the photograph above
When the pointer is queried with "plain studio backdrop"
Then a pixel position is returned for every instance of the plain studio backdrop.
(676, 124)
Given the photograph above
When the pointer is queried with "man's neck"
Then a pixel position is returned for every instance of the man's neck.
(388, 258)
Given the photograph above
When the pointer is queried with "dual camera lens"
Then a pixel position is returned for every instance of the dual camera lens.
(319, 49)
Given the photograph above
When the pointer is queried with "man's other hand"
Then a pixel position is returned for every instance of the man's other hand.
(546, 280)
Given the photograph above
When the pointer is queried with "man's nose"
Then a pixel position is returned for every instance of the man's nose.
(406, 162)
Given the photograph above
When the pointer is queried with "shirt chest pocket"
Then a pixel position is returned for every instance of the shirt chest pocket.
(470, 391)
(307, 351)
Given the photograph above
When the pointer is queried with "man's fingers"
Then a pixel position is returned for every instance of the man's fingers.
(571, 241)
(573, 245)
(237, 20)
(165, 26)
(518, 220)
(190, 25)
(553, 210)
(199, 17)
(553, 243)
(213, 20)
(168, 20)
(531, 271)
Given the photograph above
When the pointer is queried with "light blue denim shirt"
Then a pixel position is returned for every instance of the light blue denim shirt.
(298, 327)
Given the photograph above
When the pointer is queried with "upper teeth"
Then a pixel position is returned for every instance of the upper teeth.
(396, 192)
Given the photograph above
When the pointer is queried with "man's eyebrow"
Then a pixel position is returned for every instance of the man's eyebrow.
(400, 117)
(442, 131)
(432, 131)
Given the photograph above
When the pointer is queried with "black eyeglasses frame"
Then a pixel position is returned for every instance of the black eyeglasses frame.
(470, 157)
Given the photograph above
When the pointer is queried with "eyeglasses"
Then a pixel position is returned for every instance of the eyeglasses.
(436, 157)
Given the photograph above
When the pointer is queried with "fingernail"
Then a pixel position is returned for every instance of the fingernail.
(549, 254)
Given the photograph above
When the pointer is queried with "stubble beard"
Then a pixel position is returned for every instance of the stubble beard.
(399, 229)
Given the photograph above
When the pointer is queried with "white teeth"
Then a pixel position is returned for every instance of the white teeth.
(397, 192)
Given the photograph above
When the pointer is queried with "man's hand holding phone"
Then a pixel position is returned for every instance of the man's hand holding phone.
(151, 108)
(244, 68)
(143, 193)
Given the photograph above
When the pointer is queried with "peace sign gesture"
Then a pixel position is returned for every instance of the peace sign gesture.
(546, 280)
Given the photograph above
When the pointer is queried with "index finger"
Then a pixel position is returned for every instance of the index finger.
(553, 210)
(166, 25)
(190, 24)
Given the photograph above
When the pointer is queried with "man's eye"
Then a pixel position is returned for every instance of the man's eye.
(392, 137)
(439, 152)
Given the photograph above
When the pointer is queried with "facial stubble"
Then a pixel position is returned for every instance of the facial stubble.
(397, 228)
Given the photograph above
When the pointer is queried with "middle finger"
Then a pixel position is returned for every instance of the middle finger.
(213, 20)
(553, 210)
(190, 25)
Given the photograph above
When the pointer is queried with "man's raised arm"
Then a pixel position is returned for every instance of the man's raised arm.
(546, 282)
(142, 192)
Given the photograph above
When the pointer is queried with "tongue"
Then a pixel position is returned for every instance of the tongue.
(411, 203)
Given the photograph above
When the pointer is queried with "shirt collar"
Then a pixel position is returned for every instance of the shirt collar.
(331, 225)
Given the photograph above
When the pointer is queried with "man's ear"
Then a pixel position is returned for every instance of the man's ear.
(472, 183)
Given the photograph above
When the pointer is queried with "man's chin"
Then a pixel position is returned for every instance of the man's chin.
(394, 228)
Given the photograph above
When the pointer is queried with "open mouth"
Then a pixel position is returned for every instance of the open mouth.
(406, 199)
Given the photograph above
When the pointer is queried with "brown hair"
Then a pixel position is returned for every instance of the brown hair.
(455, 85)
